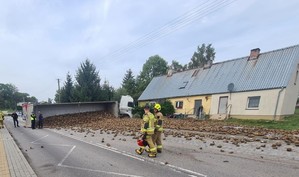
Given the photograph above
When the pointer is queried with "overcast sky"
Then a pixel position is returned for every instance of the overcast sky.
(42, 40)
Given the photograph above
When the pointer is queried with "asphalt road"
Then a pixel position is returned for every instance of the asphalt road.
(65, 153)
(54, 155)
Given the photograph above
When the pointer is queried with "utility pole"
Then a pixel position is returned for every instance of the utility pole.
(59, 93)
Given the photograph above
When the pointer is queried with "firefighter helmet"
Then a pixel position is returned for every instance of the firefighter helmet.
(157, 106)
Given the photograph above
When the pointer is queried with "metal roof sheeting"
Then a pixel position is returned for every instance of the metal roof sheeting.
(271, 70)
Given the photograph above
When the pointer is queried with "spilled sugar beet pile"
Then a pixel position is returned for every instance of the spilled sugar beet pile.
(188, 128)
(93, 121)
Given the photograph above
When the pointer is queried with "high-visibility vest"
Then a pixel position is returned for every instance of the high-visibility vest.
(1, 116)
(33, 117)
(148, 122)
(159, 121)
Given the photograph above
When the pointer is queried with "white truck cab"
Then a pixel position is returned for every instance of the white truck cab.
(126, 105)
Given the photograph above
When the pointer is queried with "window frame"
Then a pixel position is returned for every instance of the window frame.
(248, 101)
(177, 104)
(183, 86)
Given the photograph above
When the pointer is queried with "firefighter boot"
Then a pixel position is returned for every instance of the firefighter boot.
(147, 150)
(152, 155)
(159, 150)
(139, 151)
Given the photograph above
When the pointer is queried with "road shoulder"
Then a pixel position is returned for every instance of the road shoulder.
(17, 163)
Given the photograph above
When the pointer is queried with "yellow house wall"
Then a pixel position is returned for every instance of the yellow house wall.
(239, 101)
(142, 103)
(189, 103)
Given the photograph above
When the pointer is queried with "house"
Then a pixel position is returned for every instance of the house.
(258, 86)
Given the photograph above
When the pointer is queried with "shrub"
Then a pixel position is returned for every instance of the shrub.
(167, 108)
(138, 111)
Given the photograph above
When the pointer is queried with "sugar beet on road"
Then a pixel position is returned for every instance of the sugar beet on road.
(54, 155)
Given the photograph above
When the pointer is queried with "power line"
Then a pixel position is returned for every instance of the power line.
(159, 36)
(158, 29)
(174, 25)
(178, 26)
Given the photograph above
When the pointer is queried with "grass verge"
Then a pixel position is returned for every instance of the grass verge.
(288, 123)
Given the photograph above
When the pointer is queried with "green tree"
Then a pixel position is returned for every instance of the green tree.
(88, 80)
(107, 92)
(66, 92)
(49, 101)
(10, 96)
(31, 99)
(177, 67)
(129, 83)
(118, 93)
(202, 56)
(154, 66)
(167, 108)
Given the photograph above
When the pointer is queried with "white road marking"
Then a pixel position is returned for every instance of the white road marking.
(65, 157)
(7, 139)
(180, 169)
(100, 171)
(39, 139)
(118, 152)
(187, 171)
(64, 145)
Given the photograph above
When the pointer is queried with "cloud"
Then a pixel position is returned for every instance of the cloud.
(44, 40)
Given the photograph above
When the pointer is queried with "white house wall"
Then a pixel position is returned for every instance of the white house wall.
(291, 94)
(239, 100)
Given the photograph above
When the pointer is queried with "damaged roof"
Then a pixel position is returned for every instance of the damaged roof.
(270, 70)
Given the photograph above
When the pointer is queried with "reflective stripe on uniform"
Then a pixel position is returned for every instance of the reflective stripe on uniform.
(160, 129)
(153, 149)
(143, 130)
(148, 119)
(159, 146)
(150, 131)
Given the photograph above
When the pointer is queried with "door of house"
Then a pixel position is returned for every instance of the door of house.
(222, 108)
(197, 105)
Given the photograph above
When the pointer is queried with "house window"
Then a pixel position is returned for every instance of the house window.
(253, 102)
(184, 85)
(179, 104)
(152, 103)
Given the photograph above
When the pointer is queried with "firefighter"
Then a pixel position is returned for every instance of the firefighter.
(148, 129)
(1, 119)
(33, 118)
(158, 127)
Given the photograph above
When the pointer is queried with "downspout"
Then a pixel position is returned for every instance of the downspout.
(277, 101)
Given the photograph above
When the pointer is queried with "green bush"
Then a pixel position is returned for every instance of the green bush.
(167, 108)
(138, 111)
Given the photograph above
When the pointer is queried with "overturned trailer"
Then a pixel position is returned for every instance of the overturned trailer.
(69, 108)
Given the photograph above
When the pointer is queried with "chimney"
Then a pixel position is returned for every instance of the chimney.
(254, 54)
(208, 64)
